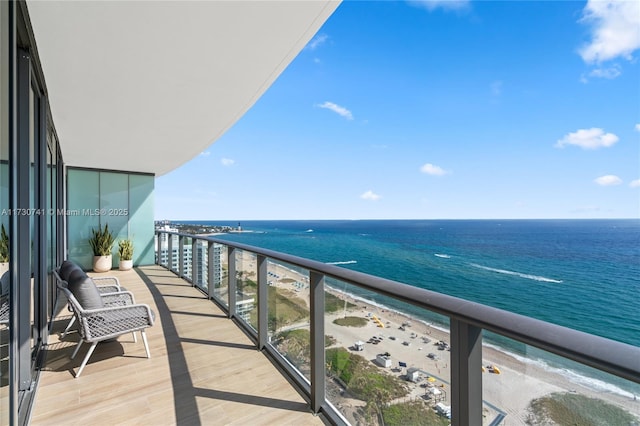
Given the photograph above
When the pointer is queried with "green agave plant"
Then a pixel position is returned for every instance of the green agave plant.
(101, 241)
(125, 249)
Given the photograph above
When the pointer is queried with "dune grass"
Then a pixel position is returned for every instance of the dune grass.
(576, 409)
(412, 413)
(351, 321)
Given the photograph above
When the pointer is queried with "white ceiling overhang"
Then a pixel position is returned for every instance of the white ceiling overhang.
(145, 86)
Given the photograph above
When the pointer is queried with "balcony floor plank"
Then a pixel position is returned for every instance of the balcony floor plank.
(203, 369)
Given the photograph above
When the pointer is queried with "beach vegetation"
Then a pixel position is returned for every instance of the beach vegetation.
(247, 283)
(351, 321)
(576, 409)
(329, 340)
(412, 413)
(295, 345)
(285, 308)
(362, 379)
(333, 303)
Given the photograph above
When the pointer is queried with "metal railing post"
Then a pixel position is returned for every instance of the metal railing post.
(263, 294)
(466, 374)
(180, 256)
(316, 294)
(170, 252)
(158, 248)
(194, 262)
(231, 254)
(210, 269)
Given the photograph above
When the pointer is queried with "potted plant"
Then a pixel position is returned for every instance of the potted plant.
(125, 252)
(101, 242)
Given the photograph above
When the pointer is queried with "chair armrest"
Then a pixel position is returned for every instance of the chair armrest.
(103, 281)
(107, 288)
(121, 298)
(105, 323)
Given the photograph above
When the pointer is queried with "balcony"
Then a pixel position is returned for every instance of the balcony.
(202, 367)
(205, 365)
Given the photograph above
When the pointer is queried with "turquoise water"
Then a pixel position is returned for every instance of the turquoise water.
(583, 274)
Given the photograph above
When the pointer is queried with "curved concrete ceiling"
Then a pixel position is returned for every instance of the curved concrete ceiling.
(146, 86)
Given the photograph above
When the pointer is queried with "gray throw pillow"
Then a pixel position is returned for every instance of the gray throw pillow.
(84, 290)
(66, 268)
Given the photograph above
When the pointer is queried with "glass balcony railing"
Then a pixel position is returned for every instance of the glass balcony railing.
(288, 314)
(199, 274)
(370, 351)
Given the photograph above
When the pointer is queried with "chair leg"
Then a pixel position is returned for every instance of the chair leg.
(146, 344)
(77, 349)
(64, 333)
(86, 358)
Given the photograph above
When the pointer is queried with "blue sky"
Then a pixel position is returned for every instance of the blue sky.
(436, 110)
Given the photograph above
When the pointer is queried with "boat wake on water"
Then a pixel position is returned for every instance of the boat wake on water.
(518, 274)
(444, 256)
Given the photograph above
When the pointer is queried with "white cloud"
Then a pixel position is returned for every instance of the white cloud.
(340, 110)
(608, 180)
(443, 4)
(227, 161)
(370, 195)
(593, 138)
(608, 73)
(433, 170)
(615, 29)
(638, 127)
(317, 41)
(635, 183)
(205, 154)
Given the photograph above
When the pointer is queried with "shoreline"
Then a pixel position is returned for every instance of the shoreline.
(511, 391)
(520, 381)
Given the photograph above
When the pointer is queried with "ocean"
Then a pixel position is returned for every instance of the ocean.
(582, 274)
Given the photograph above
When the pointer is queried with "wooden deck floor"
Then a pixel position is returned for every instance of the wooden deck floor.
(203, 369)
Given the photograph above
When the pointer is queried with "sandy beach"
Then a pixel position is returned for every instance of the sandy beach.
(509, 392)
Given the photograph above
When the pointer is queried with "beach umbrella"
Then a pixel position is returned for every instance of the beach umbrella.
(431, 379)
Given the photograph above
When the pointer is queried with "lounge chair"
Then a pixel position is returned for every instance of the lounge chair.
(105, 285)
(121, 316)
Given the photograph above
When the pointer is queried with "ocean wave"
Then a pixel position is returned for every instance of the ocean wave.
(346, 262)
(518, 274)
(444, 256)
(571, 375)
(309, 230)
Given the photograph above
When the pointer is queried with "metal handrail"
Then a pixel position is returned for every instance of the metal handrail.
(617, 358)
(611, 356)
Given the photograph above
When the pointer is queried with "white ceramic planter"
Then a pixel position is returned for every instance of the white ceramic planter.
(102, 263)
(125, 265)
